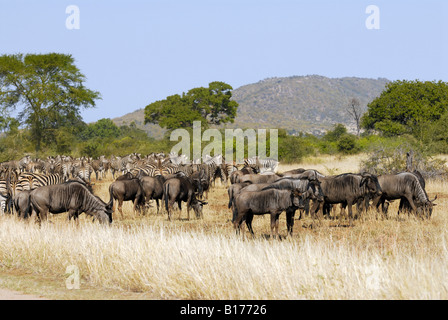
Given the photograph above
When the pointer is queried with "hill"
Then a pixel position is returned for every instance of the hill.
(310, 104)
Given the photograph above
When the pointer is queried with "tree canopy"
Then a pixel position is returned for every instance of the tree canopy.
(407, 107)
(212, 105)
(48, 89)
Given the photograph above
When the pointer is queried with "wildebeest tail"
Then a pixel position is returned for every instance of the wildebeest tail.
(166, 190)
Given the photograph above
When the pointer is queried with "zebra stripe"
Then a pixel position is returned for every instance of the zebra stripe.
(263, 164)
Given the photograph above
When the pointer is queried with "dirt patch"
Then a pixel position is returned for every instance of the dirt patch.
(6, 294)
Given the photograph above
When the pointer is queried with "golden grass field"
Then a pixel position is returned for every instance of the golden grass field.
(148, 257)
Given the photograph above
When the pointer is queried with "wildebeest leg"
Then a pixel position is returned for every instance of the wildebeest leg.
(290, 220)
(350, 213)
(249, 218)
(157, 201)
(120, 207)
(411, 202)
(274, 224)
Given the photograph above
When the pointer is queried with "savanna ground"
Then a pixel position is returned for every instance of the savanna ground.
(148, 257)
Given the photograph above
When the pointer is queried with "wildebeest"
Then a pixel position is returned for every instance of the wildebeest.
(405, 186)
(127, 190)
(271, 201)
(178, 190)
(22, 203)
(153, 188)
(310, 189)
(234, 189)
(201, 182)
(348, 188)
(259, 178)
(237, 174)
(72, 197)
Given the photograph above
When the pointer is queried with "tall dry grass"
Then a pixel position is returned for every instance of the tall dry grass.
(401, 257)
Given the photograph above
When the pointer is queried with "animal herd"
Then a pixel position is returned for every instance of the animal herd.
(62, 184)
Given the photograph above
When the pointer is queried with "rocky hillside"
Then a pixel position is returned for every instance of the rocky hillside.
(310, 104)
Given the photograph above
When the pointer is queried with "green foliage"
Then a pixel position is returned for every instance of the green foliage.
(103, 128)
(49, 90)
(210, 105)
(407, 107)
(391, 160)
(347, 144)
(335, 134)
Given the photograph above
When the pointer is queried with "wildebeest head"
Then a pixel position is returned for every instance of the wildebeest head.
(371, 183)
(197, 205)
(297, 199)
(314, 191)
(427, 208)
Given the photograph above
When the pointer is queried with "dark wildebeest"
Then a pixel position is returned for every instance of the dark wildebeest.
(310, 189)
(178, 190)
(234, 189)
(271, 201)
(153, 188)
(201, 182)
(72, 197)
(127, 190)
(348, 189)
(405, 185)
(259, 178)
(22, 204)
(237, 174)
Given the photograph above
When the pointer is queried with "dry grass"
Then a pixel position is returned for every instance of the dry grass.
(398, 258)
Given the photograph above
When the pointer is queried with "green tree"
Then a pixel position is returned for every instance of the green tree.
(334, 135)
(49, 90)
(212, 105)
(407, 107)
(103, 128)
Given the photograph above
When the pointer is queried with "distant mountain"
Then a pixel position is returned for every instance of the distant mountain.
(310, 104)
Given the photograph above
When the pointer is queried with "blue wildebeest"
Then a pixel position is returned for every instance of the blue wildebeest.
(72, 197)
(407, 187)
(271, 201)
(181, 189)
(125, 189)
(348, 189)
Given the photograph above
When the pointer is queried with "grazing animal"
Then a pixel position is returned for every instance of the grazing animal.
(271, 201)
(234, 189)
(259, 178)
(72, 197)
(310, 189)
(127, 190)
(153, 188)
(347, 189)
(237, 174)
(405, 186)
(178, 190)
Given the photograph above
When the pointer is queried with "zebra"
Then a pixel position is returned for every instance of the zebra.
(84, 171)
(263, 165)
(38, 180)
(4, 196)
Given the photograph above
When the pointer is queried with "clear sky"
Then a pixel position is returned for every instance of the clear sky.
(136, 52)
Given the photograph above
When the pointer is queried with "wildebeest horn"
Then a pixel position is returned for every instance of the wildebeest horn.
(203, 202)
(433, 199)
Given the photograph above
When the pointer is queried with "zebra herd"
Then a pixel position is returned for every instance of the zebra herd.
(29, 174)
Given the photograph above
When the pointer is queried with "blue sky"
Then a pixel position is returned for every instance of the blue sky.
(136, 52)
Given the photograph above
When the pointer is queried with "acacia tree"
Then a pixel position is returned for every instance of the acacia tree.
(47, 89)
(212, 105)
(407, 107)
